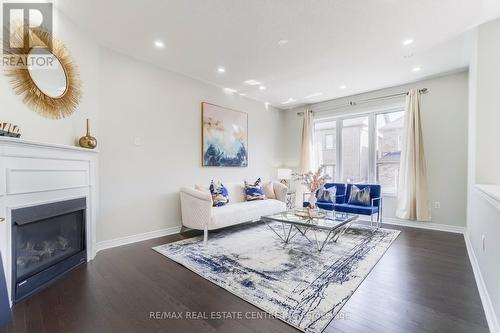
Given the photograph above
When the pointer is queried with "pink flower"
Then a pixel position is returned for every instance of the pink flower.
(313, 181)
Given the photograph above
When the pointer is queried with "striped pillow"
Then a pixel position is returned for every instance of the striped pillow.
(254, 191)
(220, 195)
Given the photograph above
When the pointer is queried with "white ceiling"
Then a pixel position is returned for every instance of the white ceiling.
(357, 43)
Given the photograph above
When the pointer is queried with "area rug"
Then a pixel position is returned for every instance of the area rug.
(292, 282)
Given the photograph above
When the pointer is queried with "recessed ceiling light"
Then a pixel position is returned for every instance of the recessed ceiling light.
(251, 82)
(407, 42)
(343, 86)
(288, 101)
(159, 44)
(221, 70)
(262, 87)
(242, 94)
(282, 42)
(416, 69)
(314, 95)
(229, 90)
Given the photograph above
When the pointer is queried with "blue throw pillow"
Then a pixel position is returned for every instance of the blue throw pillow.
(220, 195)
(254, 191)
(327, 194)
(360, 197)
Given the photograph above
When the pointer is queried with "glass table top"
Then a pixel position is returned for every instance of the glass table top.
(321, 219)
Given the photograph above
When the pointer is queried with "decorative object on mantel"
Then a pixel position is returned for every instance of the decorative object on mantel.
(313, 182)
(52, 89)
(8, 129)
(88, 141)
(284, 175)
(224, 136)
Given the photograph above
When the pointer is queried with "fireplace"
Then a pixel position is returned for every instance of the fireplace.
(47, 241)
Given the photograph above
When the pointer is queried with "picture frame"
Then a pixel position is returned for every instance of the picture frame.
(224, 138)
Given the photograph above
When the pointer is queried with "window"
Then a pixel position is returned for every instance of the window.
(388, 155)
(330, 170)
(329, 140)
(361, 148)
(325, 152)
(355, 154)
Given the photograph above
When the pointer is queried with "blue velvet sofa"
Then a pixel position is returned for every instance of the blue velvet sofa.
(341, 204)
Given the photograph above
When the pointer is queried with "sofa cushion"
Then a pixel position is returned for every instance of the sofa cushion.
(375, 191)
(327, 194)
(236, 192)
(241, 212)
(220, 195)
(204, 189)
(254, 191)
(340, 189)
(268, 188)
(359, 196)
(355, 209)
(201, 188)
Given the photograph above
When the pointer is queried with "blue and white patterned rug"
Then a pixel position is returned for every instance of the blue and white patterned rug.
(293, 282)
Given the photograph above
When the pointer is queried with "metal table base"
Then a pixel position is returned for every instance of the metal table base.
(287, 235)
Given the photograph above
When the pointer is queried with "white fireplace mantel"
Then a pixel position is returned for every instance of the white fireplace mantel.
(33, 173)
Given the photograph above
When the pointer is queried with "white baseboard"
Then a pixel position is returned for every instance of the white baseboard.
(489, 311)
(107, 244)
(424, 225)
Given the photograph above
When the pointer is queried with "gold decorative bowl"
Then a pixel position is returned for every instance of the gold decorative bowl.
(309, 213)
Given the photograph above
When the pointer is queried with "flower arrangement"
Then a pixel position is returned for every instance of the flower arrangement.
(313, 182)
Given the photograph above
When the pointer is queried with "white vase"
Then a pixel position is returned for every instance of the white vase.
(312, 200)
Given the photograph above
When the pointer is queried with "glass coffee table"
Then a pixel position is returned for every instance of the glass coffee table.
(299, 221)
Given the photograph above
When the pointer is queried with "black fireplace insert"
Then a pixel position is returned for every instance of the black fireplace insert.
(47, 241)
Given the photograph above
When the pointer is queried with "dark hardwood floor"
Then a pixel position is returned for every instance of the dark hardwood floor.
(424, 283)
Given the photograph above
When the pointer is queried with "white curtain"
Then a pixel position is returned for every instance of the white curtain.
(413, 202)
(306, 150)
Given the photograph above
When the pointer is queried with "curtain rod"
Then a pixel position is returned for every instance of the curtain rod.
(352, 103)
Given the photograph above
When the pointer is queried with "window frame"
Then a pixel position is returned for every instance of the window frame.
(372, 139)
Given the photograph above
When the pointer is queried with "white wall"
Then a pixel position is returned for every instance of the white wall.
(140, 184)
(483, 212)
(444, 118)
(488, 103)
(63, 131)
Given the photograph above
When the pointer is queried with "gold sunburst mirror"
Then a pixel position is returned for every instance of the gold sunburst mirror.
(47, 80)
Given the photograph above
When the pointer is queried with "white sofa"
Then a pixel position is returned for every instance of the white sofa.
(198, 213)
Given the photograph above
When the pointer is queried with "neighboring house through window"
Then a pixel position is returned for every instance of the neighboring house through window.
(389, 140)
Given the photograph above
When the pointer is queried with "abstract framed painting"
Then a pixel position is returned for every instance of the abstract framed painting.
(224, 136)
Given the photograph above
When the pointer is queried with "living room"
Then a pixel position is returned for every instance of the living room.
(256, 166)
